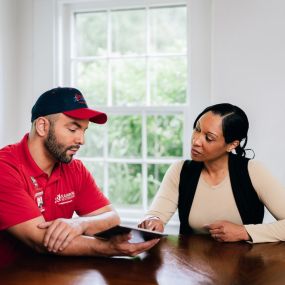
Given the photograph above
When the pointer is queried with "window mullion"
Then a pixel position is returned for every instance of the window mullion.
(72, 54)
(144, 164)
(147, 58)
(106, 163)
(109, 53)
(109, 103)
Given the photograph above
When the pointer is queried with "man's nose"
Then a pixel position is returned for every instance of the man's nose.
(80, 139)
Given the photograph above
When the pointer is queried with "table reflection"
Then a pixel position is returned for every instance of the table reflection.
(196, 259)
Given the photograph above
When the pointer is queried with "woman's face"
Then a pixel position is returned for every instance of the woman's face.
(208, 142)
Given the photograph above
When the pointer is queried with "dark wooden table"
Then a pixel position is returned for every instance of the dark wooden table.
(176, 260)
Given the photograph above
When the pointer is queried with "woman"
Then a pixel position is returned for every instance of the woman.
(219, 192)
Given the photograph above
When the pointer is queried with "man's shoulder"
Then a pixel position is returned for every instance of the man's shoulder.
(10, 154)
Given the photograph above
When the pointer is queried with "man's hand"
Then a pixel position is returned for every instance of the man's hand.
(120, 246)
(153, 224)
(60, 233)
(33, 232)
(225, 231)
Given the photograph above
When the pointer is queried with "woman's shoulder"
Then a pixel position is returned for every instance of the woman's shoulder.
(264, 182)
(255, 166)
(178, 163)
(176, 166)
(259, 173)
(174, 169)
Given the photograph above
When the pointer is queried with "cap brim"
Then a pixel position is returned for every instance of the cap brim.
(87, 114)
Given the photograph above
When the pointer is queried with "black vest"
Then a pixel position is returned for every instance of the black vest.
(250, 207)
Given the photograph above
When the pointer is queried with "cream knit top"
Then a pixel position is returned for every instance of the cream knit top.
(212, 203)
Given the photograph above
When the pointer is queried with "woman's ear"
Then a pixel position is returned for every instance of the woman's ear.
(42, 125)
(232, 146)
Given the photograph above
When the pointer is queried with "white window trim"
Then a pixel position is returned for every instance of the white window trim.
(199, 51)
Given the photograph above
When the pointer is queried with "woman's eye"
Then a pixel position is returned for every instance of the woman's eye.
(72, 130)
(209, 139)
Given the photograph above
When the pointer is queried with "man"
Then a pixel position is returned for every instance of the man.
(41, 186)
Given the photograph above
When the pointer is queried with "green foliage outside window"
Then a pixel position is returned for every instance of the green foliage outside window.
(125, 136)
(138, 61)
(125, 182)
(154, 178)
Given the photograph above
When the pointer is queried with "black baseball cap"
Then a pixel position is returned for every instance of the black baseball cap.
(68, 101)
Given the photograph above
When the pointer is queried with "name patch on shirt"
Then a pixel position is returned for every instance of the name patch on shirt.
(64, 198)
(38, 195)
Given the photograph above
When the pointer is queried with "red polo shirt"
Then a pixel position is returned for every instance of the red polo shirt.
(26, 192)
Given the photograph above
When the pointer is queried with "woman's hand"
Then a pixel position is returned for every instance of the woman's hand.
(153, 224)
(225, 231)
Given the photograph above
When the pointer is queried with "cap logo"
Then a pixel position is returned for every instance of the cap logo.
(78, 98)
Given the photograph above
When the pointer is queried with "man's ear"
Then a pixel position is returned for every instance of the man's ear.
(232, 145)
(42, 125)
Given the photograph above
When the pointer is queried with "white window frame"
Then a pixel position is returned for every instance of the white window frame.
(201, 64)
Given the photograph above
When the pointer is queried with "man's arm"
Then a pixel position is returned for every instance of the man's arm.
(100, 220)
(30, 234)
(60, 232)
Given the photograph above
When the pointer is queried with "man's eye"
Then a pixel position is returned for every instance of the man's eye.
(72, 130)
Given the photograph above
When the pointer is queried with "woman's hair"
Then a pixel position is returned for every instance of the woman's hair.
(234, 124)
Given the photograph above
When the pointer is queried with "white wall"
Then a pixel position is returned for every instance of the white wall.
(44, 46)
(26, 64)
(8, 66)
(25, 68)
(248, 69)
(16, 72)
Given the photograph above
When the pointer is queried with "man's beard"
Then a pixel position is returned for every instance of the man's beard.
(58, 151)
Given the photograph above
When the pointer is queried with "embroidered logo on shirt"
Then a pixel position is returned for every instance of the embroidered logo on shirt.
(65, 198)
(39, 193)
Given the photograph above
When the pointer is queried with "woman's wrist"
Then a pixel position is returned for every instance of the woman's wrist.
(153, 218)
(245, 235)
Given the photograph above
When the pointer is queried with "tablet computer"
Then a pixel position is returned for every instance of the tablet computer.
(138, 234)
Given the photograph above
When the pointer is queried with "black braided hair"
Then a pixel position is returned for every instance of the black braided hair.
(234, 124)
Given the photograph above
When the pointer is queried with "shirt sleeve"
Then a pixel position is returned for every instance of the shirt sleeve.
(89, 197)
(165, 201)
(16, 204)
(272, 195)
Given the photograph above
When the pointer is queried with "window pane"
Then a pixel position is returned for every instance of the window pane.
(123, 58)
(168, 30)
(91, 79)
(125, 184)
(128, 77)
(124, 136)
(164, 135)
(97, 171)
(91, 33)
(128, 32)
(168, 81)
(94, 141)
(155, 173)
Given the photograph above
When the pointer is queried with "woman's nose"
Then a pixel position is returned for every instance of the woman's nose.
(196, 140)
